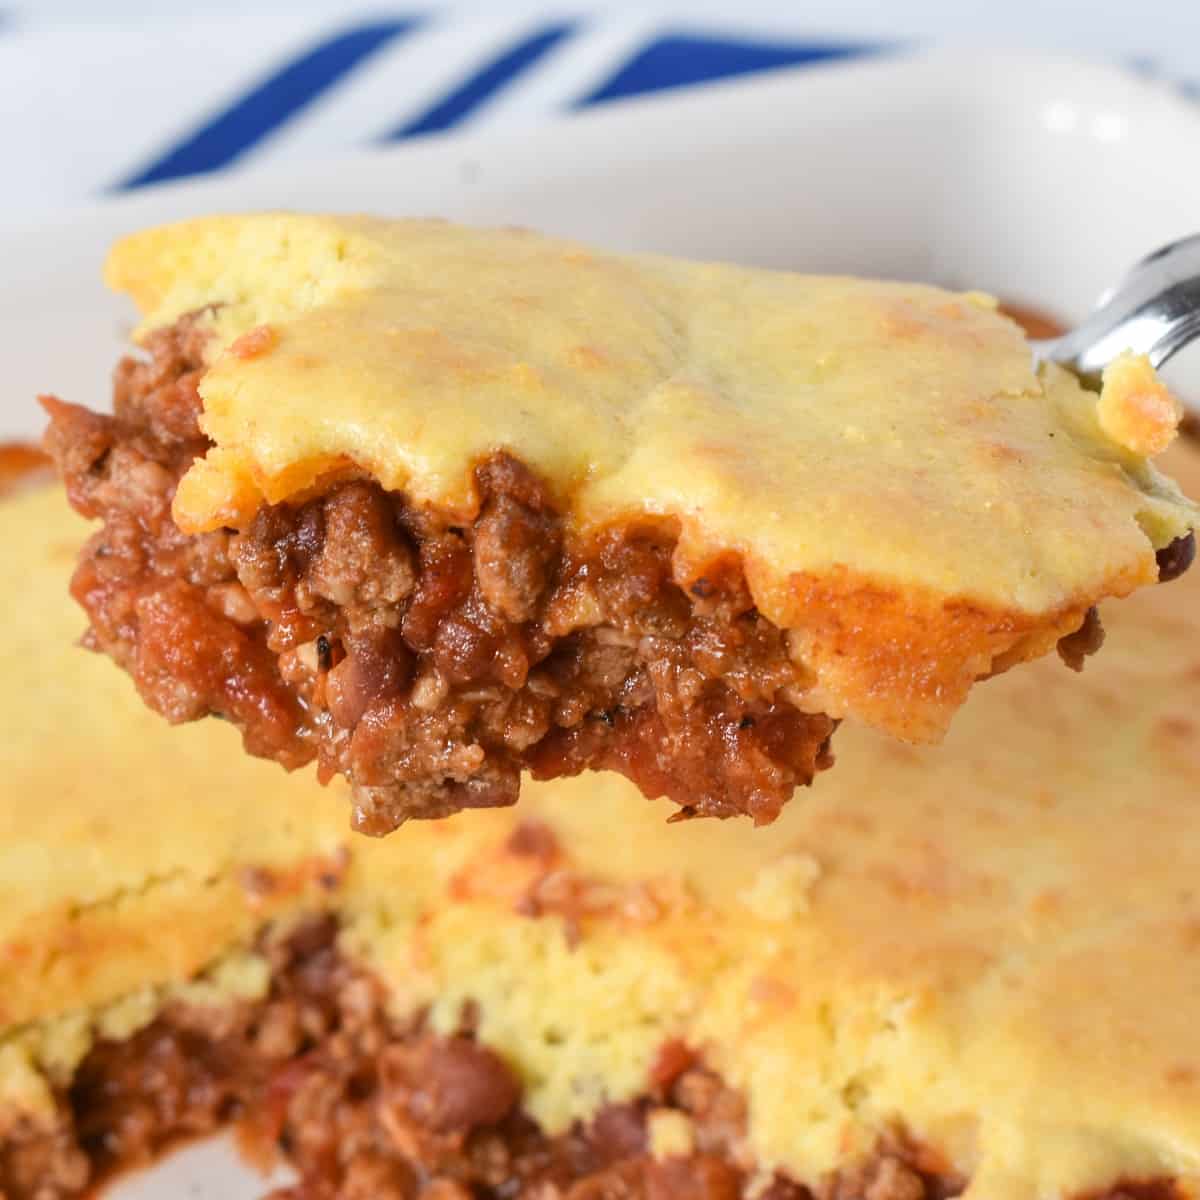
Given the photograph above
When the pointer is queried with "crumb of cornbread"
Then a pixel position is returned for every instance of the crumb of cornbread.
(1136, 409)
(780, 891)
(670, 1133)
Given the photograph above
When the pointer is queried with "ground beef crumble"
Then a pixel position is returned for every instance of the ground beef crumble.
(427, 661)
(365, 1107)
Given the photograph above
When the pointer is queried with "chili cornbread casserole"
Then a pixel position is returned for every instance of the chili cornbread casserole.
(968, 971)
(435, 505)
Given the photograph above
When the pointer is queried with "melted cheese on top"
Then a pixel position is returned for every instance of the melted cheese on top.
(905, 493)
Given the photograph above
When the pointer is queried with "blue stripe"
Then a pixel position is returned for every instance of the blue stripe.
(483, 84)
(676, 60)
(269, 104)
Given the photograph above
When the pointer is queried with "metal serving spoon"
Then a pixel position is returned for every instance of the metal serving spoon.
(1154, 310)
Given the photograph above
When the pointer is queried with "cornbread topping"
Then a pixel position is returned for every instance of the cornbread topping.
(1135, 408)
(985, 990)
(439, 505)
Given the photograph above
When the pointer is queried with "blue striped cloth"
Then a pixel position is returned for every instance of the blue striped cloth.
(89, 109)
(94, 111)
(287, 88)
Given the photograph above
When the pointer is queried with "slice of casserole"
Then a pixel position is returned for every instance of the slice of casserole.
(438, 505)
(966, 971)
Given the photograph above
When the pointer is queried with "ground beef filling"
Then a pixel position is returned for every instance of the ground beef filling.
(365, 1107)
(428, 661)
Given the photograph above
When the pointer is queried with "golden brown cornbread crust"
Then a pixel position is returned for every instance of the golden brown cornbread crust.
(990, 943)
(888, 435)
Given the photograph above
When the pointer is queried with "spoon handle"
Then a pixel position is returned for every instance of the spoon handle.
(1155, 311)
